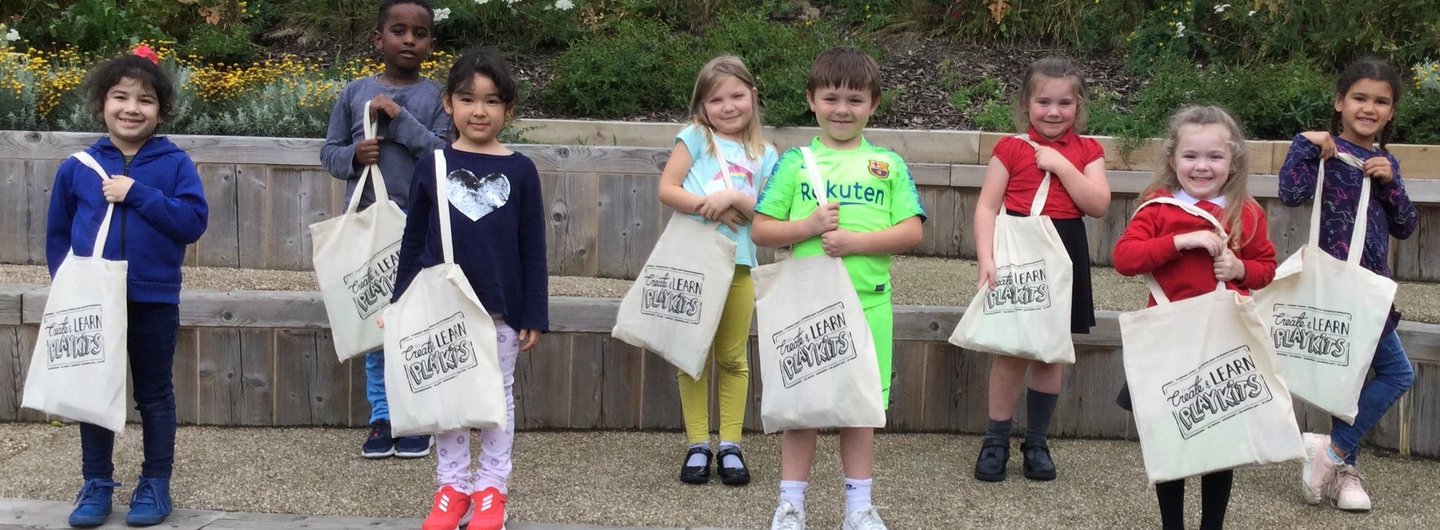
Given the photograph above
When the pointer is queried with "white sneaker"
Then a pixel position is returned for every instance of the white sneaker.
(867, 519)
(1316, 472)
(787, 517)
(1347, 491)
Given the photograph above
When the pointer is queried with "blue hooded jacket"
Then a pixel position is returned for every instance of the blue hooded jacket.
(164, 211)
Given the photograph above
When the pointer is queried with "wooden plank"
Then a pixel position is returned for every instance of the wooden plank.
(1423, 414)
(940, 387)
(659, 395)
(15, 229)
(317, 203)
(38, 200)
(11, 377)
(930, 174)
(256, 378)
(972, 383)
(202, 149)
(27, 336)
(630, 211)
(907, 387)
(289, 197)
(586, 159)
(752, 406)
(186, 373)
(220, 246)
(1289, 227)
(218, 372)
(252, 193)
(359, 397)
(295, 360)
(574, 222)
(587, 370)
(1087, 399)
(542, 384)
(25, 513)
(11, 302)
(1104, 233)
(620, 398)
(1419, 257)
(935, 233)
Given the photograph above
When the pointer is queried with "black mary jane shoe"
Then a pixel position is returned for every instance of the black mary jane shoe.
(990, 465)
(732, 476)
(1038, 464)
(696, 474)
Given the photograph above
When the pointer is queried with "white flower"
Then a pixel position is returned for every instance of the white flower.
(442, 14)
(1221, 8)
(1179, 29)
(511, 2)
(12, 36)
(1251, 13)
(481, 2)
(564, 5)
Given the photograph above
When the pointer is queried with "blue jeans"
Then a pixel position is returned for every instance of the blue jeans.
(1393, 376)
(375, 386)
(151, 342)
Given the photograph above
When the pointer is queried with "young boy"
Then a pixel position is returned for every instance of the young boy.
(412, 122)
(882, 215)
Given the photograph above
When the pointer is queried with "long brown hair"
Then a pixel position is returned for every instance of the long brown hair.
(1236, 189)
(1044, 70)
(1375, 69)
(711, 75)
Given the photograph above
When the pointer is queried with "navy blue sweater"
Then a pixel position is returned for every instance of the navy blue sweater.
(164, 211)
(497, 218)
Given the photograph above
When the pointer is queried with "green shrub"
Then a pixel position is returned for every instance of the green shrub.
(546, 23)
(642, 68)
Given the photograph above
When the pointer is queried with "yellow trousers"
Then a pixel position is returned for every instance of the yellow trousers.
(732, 364)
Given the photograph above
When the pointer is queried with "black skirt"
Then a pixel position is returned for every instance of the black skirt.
(1077, 244)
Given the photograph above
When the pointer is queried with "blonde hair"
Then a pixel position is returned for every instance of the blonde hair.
(1047, 69)
(711, 75)
(1236, 189)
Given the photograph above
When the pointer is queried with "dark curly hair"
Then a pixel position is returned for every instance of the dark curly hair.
(109, 74)
(1376, 69)
(385, 6)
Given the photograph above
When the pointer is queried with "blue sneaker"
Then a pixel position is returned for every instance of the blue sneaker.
(92, 504)
(379, 444)
(413, 446)
(150, 504)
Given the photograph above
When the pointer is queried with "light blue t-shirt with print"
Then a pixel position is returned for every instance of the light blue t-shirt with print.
(745, 173)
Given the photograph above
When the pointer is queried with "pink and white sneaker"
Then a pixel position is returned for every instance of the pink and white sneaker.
(1317, 471)
(1347, 491)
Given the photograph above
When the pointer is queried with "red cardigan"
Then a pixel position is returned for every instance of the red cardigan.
(1148, 245)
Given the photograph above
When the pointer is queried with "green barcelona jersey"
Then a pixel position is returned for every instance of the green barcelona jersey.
(873, 187)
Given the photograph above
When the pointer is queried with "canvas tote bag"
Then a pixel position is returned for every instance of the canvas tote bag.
(355, 255)
(817, 358)
(1026, 314)
(1204, 382)
(674, 306)
(81, 358)
(1326, 315)
(442, 365)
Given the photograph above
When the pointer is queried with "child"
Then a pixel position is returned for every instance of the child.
(159, 209)
(412, 123)
(1205, 165)
(502, 221)
(724, 115)
(1365, 100)
(1050, 107)
(882, 215)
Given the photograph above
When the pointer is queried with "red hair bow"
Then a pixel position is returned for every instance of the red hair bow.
(143, 51)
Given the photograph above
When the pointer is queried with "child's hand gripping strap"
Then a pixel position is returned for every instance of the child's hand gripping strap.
(1043, 192)
(104, 232)
(371, 171)
(442, 200)
(1362, 213)
(1159, 294)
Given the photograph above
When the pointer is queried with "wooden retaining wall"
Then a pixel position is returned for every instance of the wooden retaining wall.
(263, 358)
(604, 211)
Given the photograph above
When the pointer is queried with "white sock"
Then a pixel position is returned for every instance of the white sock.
(857, 494)
(731, 461)
(1334, 458)
(697, 459)
(793, 492)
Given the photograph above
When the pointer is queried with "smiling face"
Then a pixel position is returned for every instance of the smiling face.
(404, 40)
(1202, 160)
(479, 114)
(131, 113)
(842, 113)
(1052, 106)
(729, 107)
(1364, 110)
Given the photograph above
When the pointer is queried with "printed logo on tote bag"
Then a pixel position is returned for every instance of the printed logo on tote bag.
(672, 293)
(1021, 287)
(1311, 334)
(817, 343)
(372, 284)
(1216, 391)
(74, 337)
(437, 354)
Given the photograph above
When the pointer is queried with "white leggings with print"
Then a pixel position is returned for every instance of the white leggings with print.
(452, 448)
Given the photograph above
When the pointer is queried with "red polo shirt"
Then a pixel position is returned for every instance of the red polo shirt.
(1148, 245)
(1025, 176)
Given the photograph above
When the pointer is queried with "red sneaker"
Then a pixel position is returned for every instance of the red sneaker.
(450, 507)
(489, 510)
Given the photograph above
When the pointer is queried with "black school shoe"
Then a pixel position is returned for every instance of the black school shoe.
(1038, 464)
(732, 476)
(994, 455)
(696, 474)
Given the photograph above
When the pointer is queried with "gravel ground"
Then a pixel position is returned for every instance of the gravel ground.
(627, 478)
(918, 281)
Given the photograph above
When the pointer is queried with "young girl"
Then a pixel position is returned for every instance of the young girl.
(725, 116)
(1050, 107)
(1204, 165)
(1365, 100)
(159, 209)
(496, 209)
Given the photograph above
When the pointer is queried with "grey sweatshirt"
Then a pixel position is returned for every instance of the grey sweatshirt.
(420, 128)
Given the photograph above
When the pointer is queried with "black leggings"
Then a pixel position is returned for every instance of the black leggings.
(1214, 500)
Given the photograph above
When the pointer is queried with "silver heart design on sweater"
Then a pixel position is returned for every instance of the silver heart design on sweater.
(475, 196)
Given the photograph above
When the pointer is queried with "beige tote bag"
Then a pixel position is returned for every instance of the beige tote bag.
(78, 368)
(442, 364)
(1326, 315)
(1026, 314)
(674, 306)
(355, 255)
(1204, 382)
(817, 357)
